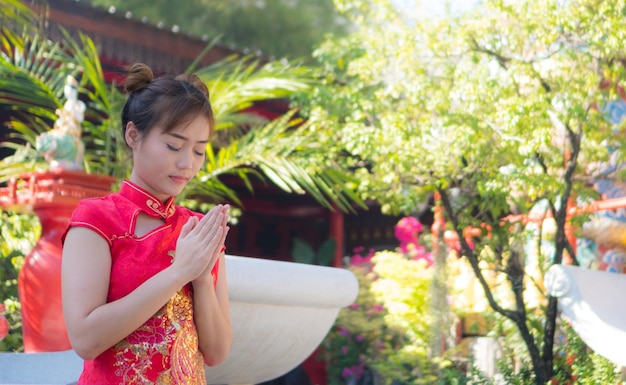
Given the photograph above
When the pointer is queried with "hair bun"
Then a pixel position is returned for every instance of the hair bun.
(139, 77)
(195, 81)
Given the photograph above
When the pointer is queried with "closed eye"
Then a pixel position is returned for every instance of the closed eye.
(199, 153)
(170, 147)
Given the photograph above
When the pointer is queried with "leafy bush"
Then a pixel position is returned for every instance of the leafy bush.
(19, 232)
(387, 332)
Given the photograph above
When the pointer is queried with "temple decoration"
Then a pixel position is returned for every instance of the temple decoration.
(62, 147)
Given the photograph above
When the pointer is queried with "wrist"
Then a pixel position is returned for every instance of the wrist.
(202, 282)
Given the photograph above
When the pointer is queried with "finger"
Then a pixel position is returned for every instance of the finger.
(188, 226)
(207, 222)
(215, 240)
(223, 238)
(226, 214)
(211, 215)
(210, 227)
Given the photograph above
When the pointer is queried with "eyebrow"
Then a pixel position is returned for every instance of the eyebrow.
(182, 137)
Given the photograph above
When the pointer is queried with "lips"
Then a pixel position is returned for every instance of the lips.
(179, 179)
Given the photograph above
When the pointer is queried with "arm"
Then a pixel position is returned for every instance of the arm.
(212, 317)
(93, 325)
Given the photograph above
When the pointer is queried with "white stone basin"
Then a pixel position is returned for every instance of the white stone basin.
(591, 300)
(280, 311)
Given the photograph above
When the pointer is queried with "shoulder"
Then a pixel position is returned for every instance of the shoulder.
(89, 207)
(99, 215)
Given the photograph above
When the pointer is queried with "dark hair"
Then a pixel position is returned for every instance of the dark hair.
(165, 102)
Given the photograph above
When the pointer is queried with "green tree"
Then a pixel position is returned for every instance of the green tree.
(493, 110)
(278, 28)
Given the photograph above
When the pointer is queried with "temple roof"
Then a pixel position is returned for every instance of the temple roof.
(123, 39)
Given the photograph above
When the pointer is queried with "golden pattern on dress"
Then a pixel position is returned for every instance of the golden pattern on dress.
(163, 211)
(170, 334)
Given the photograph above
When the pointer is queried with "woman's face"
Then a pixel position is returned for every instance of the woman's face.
(165, 162)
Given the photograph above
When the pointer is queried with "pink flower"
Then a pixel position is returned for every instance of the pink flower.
(358, 259)
(407, 229)
(378, 308)
(355, 371)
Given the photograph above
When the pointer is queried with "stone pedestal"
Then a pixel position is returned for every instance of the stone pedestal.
(52, 196)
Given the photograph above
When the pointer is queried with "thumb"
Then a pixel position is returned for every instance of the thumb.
(188, 226)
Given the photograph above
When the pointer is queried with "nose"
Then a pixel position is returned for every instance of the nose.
(185, 160)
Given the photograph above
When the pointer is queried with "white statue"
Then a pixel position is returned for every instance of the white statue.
(61, 146)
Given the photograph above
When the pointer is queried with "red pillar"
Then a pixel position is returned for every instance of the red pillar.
(337, 233)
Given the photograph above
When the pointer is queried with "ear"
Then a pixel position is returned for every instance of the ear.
(132, 135)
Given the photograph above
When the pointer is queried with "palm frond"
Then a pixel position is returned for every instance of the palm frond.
(28, 84)
(286, 156)
(236, 83)
(16, 19)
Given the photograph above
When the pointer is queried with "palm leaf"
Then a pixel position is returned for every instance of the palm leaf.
(236, 83)
(27, 83)
(16, 19)
(277, 152)
(284, 155)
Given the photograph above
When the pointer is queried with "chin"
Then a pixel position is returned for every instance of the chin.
(176, 190)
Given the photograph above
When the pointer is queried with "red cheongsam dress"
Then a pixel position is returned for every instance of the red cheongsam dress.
(164, 350)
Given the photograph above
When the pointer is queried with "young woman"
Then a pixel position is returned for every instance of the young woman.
(144, 280)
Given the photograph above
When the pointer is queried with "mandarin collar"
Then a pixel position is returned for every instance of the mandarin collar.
(147, 202)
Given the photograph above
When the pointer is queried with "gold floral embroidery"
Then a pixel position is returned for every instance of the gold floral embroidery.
(165, 211)
(170, 334)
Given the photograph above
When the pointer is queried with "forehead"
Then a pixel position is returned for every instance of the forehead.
(196, 129)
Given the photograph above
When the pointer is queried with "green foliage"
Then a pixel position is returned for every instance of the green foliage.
(19, 232)
(360, 335)
(15, 18)
(494, 110)
(431, 114)
(577, 363)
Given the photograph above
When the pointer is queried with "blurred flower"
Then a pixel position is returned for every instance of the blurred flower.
(407, 231)
(358, 259)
